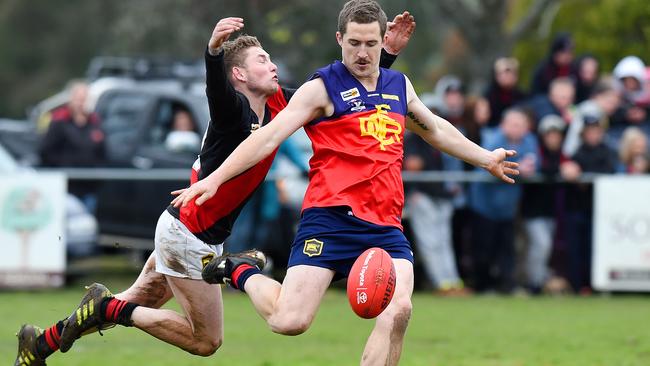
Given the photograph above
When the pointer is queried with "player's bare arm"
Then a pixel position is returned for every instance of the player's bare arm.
(399, 32)
(309, 102)
(440, 134)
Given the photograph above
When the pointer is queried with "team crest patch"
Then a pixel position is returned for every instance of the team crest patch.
(206, 259)
(356, 105)
(350, 94)
(313, 247)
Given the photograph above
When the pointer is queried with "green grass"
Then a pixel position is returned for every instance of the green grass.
(497, 331)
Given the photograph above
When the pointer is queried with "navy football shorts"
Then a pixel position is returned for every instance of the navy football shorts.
(333, 238)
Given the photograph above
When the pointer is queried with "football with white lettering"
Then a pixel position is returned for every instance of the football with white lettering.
(371, 283)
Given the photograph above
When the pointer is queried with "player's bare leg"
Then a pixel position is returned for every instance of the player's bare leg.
(150, 289)
(384, 345)
(289, 308)
(199, 330)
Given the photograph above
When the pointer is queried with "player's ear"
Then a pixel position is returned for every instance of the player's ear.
(238, 74)
(339, 38)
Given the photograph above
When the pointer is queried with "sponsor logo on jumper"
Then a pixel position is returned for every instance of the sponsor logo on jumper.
(313, 247)
(350, 94)
(380, 126)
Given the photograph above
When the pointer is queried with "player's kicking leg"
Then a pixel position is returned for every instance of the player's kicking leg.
(289, 308)
(179, 256)
(384, 346)
(35, 345)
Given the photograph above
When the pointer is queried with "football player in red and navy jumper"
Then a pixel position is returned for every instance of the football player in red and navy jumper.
(243, 95)
(354, 112)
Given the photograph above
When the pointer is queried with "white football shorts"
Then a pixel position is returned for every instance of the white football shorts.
(178, 252)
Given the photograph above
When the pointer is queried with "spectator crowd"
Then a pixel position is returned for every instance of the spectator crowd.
(576, 118)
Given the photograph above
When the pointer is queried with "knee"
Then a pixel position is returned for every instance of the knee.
(289, 324)
(206, 347)
(397, 315)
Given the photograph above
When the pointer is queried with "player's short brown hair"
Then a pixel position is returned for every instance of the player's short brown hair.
(362, 12)
(235, 50)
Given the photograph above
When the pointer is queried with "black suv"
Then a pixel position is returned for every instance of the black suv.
(136, 105)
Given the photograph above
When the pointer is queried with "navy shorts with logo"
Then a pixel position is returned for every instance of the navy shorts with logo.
(333, 238)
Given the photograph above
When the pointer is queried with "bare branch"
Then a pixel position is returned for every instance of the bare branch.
(535, 12)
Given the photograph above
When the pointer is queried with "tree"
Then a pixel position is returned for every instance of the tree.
(484, 31)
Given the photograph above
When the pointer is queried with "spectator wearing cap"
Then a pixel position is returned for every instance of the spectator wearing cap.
(494, 207)
(586, 71)
(630, 74)
(556, 64)
(593, 156)
(633, 151)
(541, 203)
(602, 105)
(503, 92)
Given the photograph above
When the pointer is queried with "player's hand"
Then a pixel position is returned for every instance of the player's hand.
(502, 168)
(222, 31)
(203, 188)
(398, 33)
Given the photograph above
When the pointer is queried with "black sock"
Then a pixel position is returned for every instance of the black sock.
(48, 342)
(117, 311)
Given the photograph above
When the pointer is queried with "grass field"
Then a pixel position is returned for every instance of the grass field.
(487, 330)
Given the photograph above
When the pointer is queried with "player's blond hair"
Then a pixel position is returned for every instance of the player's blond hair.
(235, 50)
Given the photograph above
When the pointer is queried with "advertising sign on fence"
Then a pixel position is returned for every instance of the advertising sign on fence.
(621, 246)
(32, 234)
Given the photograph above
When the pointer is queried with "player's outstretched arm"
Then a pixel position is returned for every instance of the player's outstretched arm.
(309, 102)
(398, 33)
(222, 31)
(440, 134)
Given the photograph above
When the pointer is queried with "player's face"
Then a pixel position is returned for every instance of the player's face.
(261, 73)
(361, 48)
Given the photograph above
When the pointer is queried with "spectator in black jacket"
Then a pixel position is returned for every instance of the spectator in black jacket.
(503, 92)
(586, 71)
(74, 138)
(539, 206)
(557, 64)
(593, 156)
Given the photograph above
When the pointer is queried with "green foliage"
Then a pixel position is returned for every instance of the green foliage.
(46, 43)
(609, 29)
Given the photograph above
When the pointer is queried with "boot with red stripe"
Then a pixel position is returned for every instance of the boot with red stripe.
(221, 270)
(87, 317)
